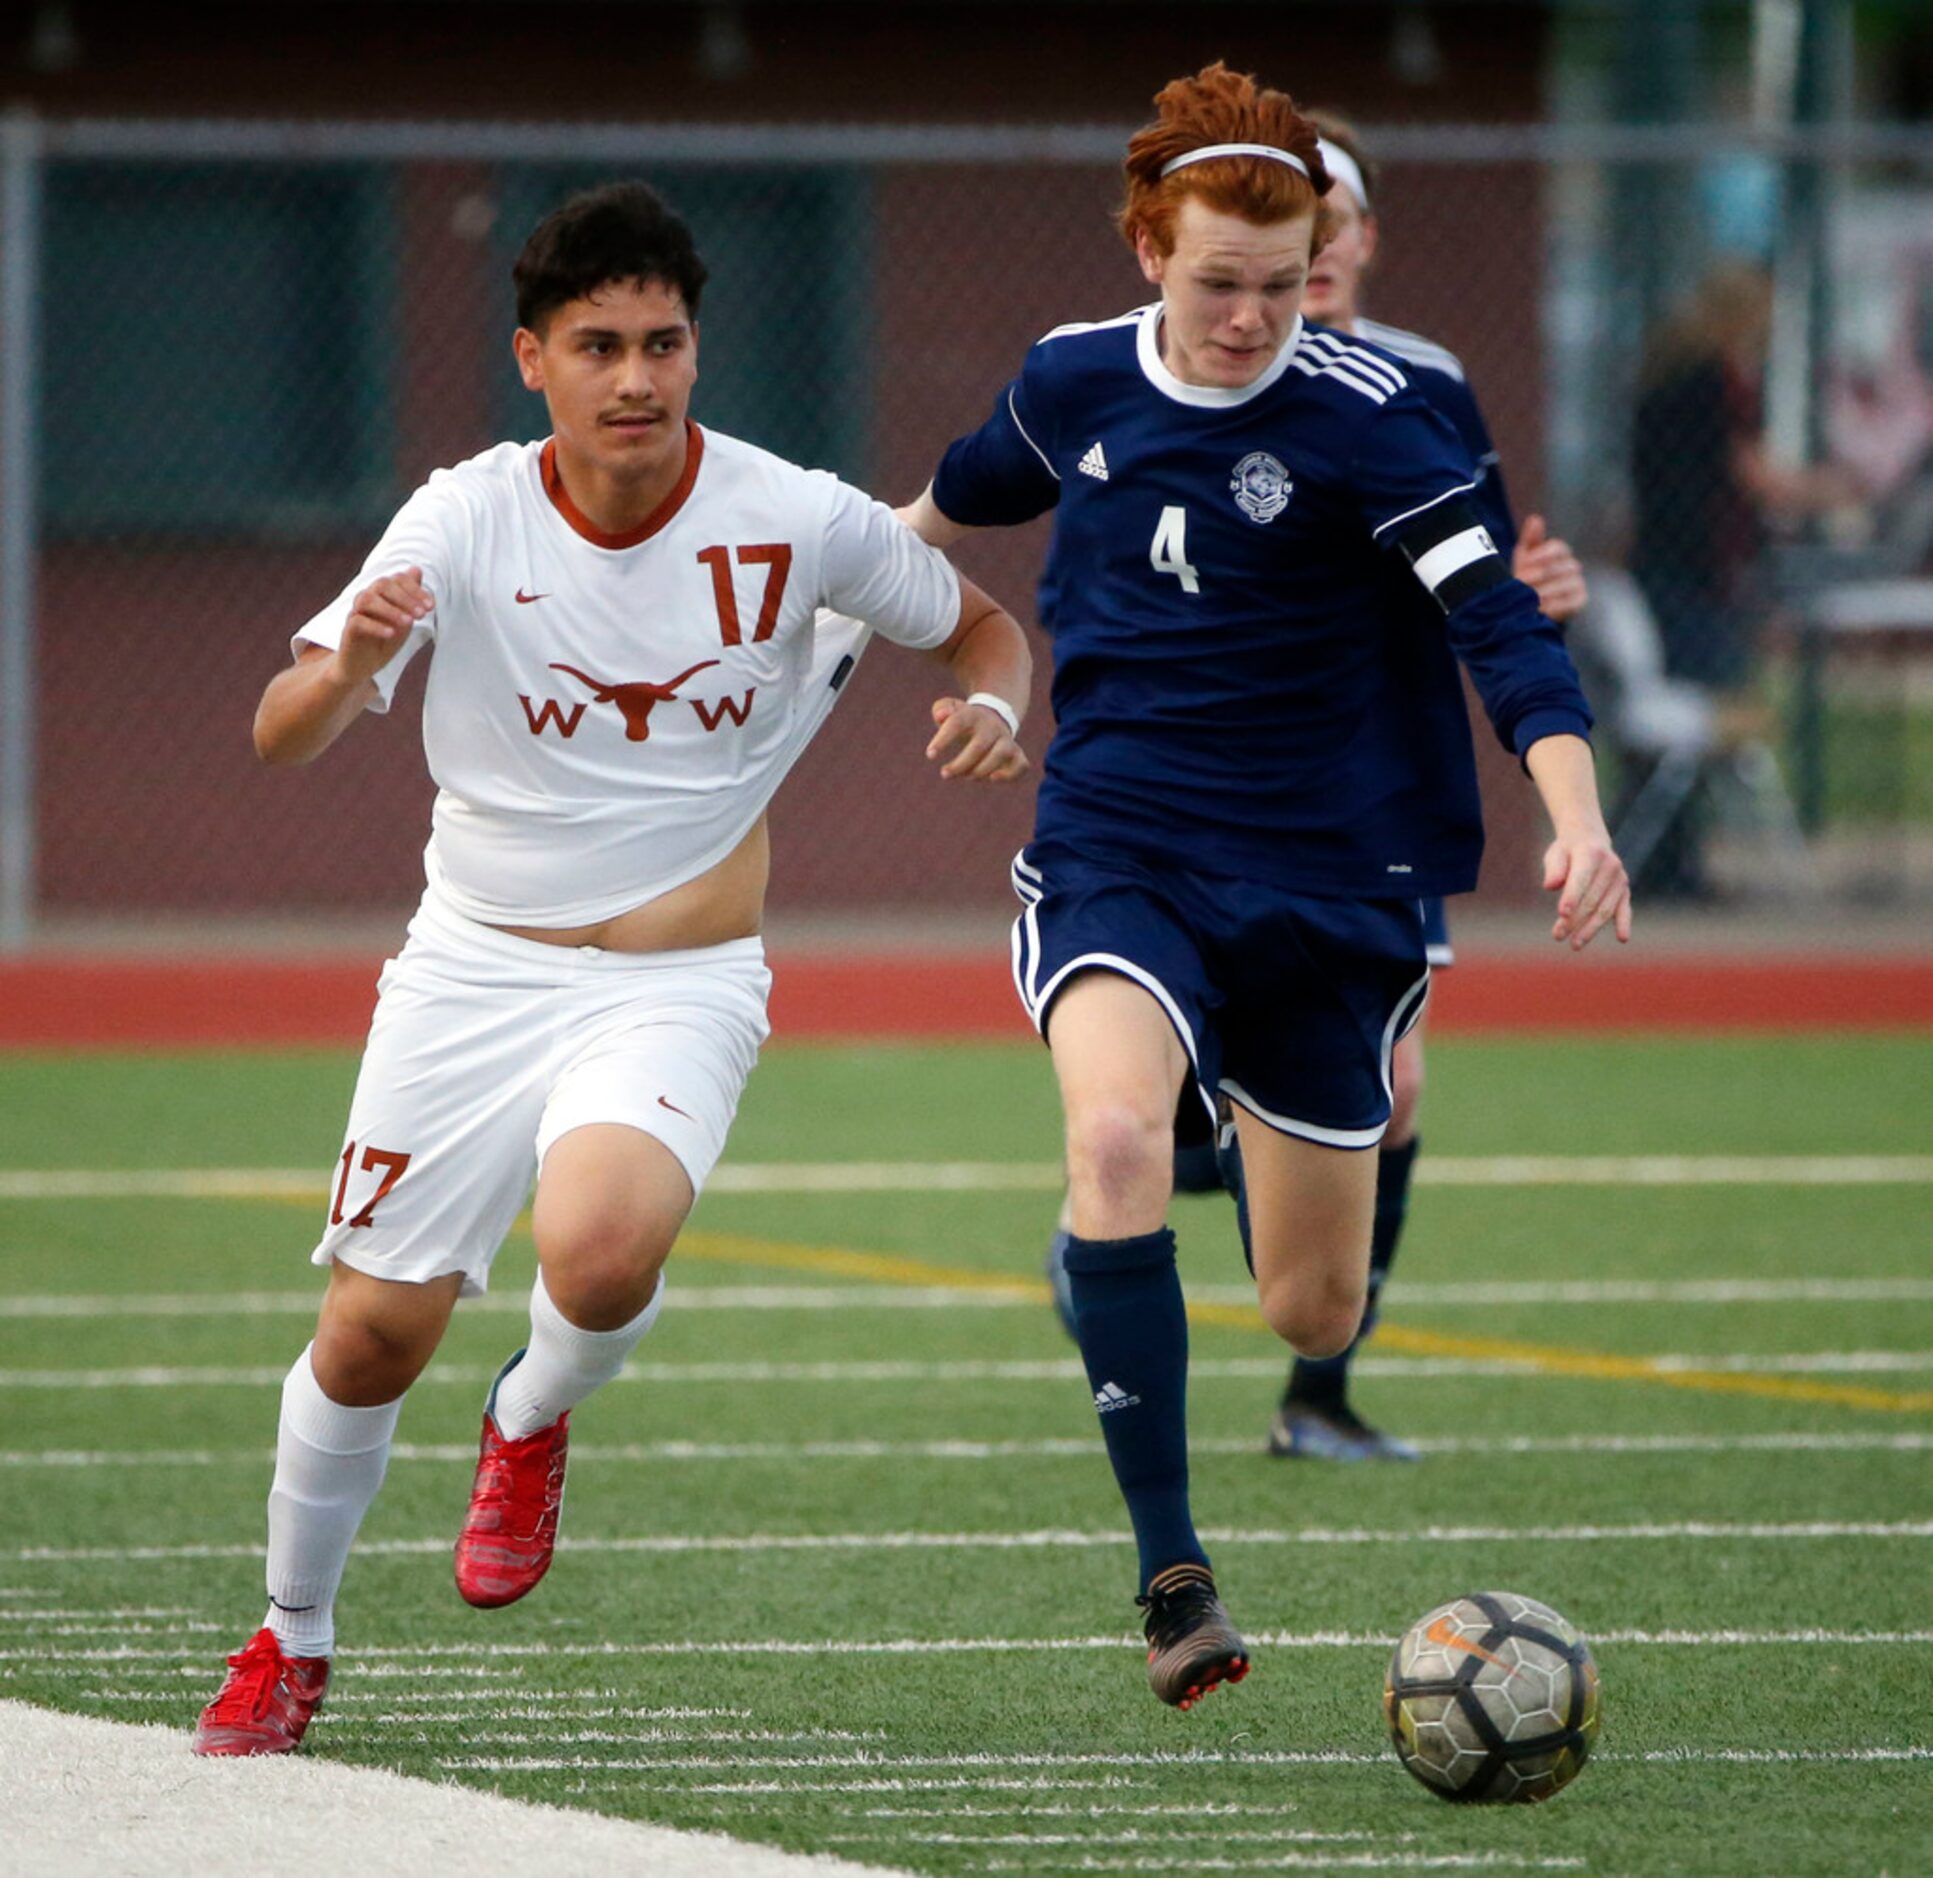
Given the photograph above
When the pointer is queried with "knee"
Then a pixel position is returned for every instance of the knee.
(601, 1270)
(1315, 1319)
(1117, 1149)
(361, 1361)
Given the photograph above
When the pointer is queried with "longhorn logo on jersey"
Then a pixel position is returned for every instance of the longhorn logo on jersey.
(1261, 486)
(638, 698)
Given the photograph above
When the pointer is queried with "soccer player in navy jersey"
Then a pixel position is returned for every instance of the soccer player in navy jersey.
(1315, 1418)
(1262, 767)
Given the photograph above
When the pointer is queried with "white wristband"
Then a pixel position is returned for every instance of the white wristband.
(1000, 708)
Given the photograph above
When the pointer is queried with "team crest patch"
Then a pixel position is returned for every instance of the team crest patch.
(1261, 486)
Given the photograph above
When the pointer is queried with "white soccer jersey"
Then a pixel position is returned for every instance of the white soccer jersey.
(608, 716)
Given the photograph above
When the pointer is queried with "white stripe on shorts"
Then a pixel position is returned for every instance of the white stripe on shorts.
(1409, 1007)
(1305, 1131)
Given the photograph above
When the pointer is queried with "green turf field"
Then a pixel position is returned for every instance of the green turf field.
(843, 1566)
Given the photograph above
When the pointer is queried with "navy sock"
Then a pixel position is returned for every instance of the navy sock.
(1133, 1331)
(1323, 1382)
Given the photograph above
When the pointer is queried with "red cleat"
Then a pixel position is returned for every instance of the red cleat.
(510, 1532)
(265, 1704)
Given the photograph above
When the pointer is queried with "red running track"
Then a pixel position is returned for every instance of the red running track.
(107, 1003)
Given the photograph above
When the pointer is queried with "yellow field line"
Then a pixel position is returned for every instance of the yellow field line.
(1547, 1359)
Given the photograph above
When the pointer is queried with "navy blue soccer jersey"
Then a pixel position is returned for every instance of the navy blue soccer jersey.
(1235, 690)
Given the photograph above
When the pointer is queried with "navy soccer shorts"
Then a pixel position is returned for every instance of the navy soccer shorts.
(1288, 1004)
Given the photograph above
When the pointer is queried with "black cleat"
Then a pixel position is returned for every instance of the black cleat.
(1191, 1644)
(1302, 1431)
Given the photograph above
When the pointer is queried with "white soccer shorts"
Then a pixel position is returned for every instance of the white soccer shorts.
(486, 1048)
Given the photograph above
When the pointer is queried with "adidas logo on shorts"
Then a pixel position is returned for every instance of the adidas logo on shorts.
(1110, 1395)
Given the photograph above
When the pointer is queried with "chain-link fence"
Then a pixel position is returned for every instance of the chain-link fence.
(229, 351)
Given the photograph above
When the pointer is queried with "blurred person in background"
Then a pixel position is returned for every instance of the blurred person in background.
(1262, 766)
(1315, 1418)
(1706, 498)
(630, 645)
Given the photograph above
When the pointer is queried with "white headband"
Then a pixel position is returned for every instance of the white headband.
(1233, 149)
(1343, 168)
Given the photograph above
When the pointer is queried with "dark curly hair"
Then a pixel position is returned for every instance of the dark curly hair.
(623, 231)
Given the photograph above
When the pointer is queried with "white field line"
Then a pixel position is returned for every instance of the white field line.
(1047, 1448)
(983, 1783)
(53, 1614)
(1675, 1170)
(1132, 1835)
(786, 1177)
(1162, 1851)
(1590, 1292)
(1258, 1757)
(698, 1297)
(1094, 1809)
(1049, 1539)
(888, 1763)
(1025, 1295)
(568, 1734)
(405, 1663)
(1313, 1861)
(567, 1727)
(1801, 1362)
(1051, 1369)
(1778, 1756)
(416, 1705)
(86, 1795)
(202, 1626)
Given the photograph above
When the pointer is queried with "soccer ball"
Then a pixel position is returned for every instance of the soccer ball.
(1492, 1697)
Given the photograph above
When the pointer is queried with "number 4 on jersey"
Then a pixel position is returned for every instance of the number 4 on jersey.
(1170, 550)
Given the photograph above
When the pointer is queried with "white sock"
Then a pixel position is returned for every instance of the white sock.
(329, 1461)
(563, 1364)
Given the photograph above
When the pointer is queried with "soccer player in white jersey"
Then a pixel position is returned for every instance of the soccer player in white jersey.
(1315, 1418)
(635, 627)
(1261, 766)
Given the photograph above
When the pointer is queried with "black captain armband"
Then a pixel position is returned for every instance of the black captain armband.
(1449, 550)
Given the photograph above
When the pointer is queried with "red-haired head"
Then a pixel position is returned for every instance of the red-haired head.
(1227, 234)
(1214, 107)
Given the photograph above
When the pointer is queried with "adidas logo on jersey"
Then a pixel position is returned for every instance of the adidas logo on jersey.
(1110, 1395)
(1094, 463)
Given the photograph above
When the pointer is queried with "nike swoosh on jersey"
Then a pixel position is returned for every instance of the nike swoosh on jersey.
(524, 599)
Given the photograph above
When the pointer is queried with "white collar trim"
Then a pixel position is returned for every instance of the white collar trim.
(1147, 346)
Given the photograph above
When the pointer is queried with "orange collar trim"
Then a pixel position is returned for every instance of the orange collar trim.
(561, 497)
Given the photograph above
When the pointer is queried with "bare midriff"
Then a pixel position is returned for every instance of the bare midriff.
(725, 902)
